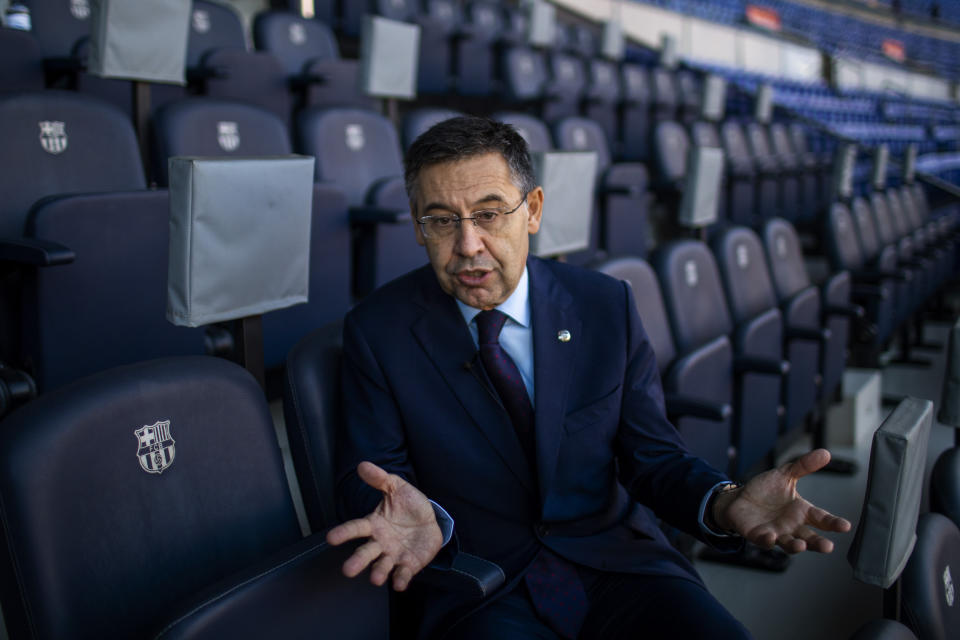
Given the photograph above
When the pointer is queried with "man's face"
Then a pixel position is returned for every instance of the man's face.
(479, 267)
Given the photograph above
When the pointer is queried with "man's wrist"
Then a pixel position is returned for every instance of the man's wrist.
(715, 516)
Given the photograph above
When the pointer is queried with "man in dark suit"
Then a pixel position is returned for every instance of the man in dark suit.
(511, 407)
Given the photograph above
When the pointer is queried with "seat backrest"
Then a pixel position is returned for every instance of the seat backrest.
(524, 73)
(883, 223)
(670, 148)
(530, 128)
(663, 83)
(604, 84)
(22, 68)
(782, 147)
(688, 88)
(486, 21)
(910, 207)
(418, 121)
(353, 148)
(928, 585)
(897, 214)
(582, 134)
(799, 138)
(61, 142)
(705, 134)
(581, 40)
(568, 76)
(311, 396)
(213, 25)
(293, 39)
(636, 84)
(693, 294)
(945, 485)
(736, 148)
(865, 227)
(131, 490)
(214, 127)
(760, 145)
(254, 77)
(842, 244)
(58, 25)
(785, 257)
(883, 629)
(746, 277)
(646, 293)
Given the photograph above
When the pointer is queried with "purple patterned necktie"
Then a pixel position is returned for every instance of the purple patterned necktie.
(553, 583)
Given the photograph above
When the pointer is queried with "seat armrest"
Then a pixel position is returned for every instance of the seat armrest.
(756, 364)
(807, 333)
(378, 215)
(35, 252)
(617, 190)
(680, 405)
(869, 292)
(466, 574)
(848, 310)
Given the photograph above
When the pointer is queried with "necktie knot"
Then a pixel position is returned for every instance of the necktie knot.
(489, 325)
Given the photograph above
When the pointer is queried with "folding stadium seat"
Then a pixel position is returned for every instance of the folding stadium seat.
(777, 195)
(417, 121)
(440, 25)
(635, 121)
(883, 629)
(802, 205)
(602, 97)
(475, 52)
(523, 73)
(76, 255)
(177, 521)
(688, 90)
(743, 204)
(697, 380)
(310, 56)
(352, 13)
(622, 196)
(58, 25)
(360, 152)
(945, 484)
(666, 101)
(218, 128)
(807, 340)
(758, 338)
(22, 66)
(566, 87)
(913, 292)
(670, 147)
(871, 289)
(928, 588)
(531, 128)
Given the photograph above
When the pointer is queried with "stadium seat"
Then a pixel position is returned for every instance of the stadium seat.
(359, 151)
(945, 485)
(635, 120)
(743, 203)
(566, 86)
(475, 52)
(417, 121)
(928, 588)
(602, 97)
(758, 340)
(777, 194)
(219, 128)
(623, 201)
(666, 102)
(524, 75)
(696, 380)
(59, 25)
(883, 629)
(532, 129)
(22, 66)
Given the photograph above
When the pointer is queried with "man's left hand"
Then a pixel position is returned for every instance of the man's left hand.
(768, 511)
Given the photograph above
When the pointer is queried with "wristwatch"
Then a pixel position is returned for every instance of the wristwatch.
(708, 516)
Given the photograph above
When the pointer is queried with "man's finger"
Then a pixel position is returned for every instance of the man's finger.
(350, 530)
(375, 476)
(361, 558)
(381, 570)
(402, 576)
(808, 463)
(826, 521)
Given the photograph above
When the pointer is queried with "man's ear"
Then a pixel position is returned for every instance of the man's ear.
(534, 209)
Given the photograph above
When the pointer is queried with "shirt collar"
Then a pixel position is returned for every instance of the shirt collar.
(516, 307)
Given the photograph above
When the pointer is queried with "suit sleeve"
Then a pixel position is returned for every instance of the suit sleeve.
(655, 466)
(371, 428)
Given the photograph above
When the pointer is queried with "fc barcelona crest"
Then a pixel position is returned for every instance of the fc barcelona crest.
(228, 136)
(53, 136)
(156, 450)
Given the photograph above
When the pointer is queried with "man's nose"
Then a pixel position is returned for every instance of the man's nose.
(469, 239)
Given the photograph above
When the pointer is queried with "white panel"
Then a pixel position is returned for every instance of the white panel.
(712, 43)
(849, 74)
(647, 24)
(758, 53)
(801, 63)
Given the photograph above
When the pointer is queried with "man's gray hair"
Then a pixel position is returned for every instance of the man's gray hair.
(465, 137)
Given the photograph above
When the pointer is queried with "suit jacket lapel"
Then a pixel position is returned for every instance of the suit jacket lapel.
(447, 342)
(553, 360)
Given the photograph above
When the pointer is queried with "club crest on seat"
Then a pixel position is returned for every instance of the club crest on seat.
(53, 136)
(156, 447)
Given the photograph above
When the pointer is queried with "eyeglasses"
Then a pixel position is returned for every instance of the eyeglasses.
(492, 221)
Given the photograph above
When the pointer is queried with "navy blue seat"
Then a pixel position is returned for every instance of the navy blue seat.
(417, 122)
(440, 27)
(666, 100)
(359, 151)
(688, 95)
(22, 68)
(531, 129)
(602, 97)
(742, 184)
(911, 293)
(635, 121)
(59, 25)
(927, 585)
(566, 87)
(758, 341)
(701, 323)
(805, 207)
(777, 190)
(696, 387)
(177, 521)
(209, 127)
(352, 13)
(524, 76)
(474, 60)
(622, 194)
(802, 308)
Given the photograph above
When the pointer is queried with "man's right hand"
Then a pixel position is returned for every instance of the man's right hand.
(403, 534)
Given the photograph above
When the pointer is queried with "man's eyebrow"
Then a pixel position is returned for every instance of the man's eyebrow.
(490, 197)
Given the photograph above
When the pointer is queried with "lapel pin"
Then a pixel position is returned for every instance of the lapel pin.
(563, 336)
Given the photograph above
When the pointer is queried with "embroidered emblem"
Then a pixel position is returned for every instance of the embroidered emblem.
(53, 136)
(298, 35)
(690, 272)
(563, 335)
(354, 134)
(579, 138)
(201, 21)
(228, 136)
(743, 256)
(80, 9)
(948, 586)
(156, 447)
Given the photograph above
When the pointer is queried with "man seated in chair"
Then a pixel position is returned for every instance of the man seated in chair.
(511, 407)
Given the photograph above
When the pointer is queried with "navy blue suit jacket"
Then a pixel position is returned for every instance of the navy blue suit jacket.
(416, 404)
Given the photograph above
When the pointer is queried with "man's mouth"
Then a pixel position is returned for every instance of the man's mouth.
(472, 277)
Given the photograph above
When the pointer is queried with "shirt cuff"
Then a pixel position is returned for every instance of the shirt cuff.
(703, 510)
(446, 522)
